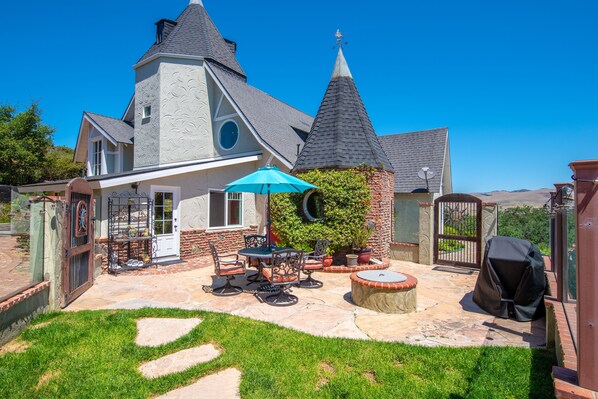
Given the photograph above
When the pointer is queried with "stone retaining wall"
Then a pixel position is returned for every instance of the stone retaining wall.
(18, 311)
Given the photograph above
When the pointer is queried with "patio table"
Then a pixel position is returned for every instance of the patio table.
(260, 253)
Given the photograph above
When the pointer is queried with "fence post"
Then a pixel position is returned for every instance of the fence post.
(557, 265)
(426, 233)
(586, 211)
(552, 231)
(489, 223)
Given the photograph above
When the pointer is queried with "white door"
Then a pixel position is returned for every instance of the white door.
(166, 221)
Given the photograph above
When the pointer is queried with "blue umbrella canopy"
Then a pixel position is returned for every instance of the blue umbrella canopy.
(268, 179)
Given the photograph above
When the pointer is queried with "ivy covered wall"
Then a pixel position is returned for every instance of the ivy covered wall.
(346, 199)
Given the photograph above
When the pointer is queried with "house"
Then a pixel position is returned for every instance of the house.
(193, 125)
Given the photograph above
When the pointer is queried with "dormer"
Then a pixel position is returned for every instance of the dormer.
(105, 145)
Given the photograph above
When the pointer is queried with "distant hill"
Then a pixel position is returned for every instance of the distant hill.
(510, 199)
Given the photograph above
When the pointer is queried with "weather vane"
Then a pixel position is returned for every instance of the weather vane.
(339, 39)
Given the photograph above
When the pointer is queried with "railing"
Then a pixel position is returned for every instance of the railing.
(21, 243)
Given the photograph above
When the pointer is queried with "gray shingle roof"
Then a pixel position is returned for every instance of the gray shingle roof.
(119, 130)
(342, 135)
(277, 123)
(195, 34)
(409, 152)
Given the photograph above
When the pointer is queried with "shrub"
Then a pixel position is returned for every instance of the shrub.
(347, 201)
(528, 223)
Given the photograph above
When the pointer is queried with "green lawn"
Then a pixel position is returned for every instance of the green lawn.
(93, 355)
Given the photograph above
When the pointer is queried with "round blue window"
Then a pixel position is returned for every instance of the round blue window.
(229, 134)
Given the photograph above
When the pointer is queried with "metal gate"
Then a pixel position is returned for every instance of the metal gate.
(77, 240)
(458, 230)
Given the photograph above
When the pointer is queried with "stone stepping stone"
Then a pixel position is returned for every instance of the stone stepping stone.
(156, 332)
(179, 361)
(222, 385)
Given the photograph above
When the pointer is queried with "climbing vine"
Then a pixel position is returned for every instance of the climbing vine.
(346, 201)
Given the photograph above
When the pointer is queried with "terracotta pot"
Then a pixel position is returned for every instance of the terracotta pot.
(327, 262)
(363, 255)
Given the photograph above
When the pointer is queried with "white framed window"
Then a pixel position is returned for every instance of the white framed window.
(225, 209)
(313, 205)
(228, 135)
(96, 158)
(147, 111)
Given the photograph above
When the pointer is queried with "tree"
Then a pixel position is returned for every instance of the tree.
(60, 165)
(27, 154)
(24, 145)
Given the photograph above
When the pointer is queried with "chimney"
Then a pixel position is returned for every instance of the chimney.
(232, 46)
(163, 29)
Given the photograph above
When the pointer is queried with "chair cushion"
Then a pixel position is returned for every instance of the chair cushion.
(276, 278)
(231, 271)
(313, 265)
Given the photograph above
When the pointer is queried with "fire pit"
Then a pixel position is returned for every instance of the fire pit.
(384, 291)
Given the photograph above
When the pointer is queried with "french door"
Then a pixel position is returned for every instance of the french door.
(166, 221)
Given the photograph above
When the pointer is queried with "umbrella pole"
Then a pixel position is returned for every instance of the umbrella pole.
(269, 222)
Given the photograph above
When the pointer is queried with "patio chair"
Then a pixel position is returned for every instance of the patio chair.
(228, 268)
(314, 262)
(284, 272)
(255, 241)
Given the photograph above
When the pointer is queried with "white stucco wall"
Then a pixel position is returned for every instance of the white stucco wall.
(147, 131)
(185, 120)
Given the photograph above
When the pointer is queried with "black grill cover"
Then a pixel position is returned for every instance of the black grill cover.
(511, 281)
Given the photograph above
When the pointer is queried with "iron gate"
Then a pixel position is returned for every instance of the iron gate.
(458, 230)
(77, 240)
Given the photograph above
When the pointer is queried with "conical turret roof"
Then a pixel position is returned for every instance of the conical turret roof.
(196, 35)
(342, 135)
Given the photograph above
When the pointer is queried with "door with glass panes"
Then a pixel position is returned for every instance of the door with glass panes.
(166, 221)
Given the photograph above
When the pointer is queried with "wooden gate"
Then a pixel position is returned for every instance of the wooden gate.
(458, 230)
(77, 240)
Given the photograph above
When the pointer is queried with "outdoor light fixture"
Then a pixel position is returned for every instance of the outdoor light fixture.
(567, 197)
(567, 194)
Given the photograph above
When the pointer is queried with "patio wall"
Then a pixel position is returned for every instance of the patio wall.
(404, 251)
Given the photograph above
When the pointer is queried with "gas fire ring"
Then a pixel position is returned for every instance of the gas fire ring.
(384, 291)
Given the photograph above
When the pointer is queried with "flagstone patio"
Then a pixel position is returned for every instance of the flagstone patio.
(446, 314)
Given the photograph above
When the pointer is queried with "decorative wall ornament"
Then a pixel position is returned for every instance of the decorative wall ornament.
(82, 221)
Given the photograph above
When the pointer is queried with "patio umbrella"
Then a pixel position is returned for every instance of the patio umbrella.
(267, 180)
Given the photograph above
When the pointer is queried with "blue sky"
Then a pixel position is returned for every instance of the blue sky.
(515, 81)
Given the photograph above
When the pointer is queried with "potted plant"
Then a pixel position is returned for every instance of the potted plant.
(360, 242)
(327, 261)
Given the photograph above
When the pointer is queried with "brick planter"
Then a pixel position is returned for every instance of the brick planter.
(346, 269)
(385, 297)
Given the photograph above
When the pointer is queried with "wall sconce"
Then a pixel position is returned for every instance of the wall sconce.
(135, 186)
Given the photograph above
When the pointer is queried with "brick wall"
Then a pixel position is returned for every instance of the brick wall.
(382, 186)
(194, 243)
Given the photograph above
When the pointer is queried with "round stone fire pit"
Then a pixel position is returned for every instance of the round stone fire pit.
(384, 291)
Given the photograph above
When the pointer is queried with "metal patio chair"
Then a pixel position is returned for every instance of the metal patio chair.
(284, 272)
(228, 268)
(314, 262)
(255, 241)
